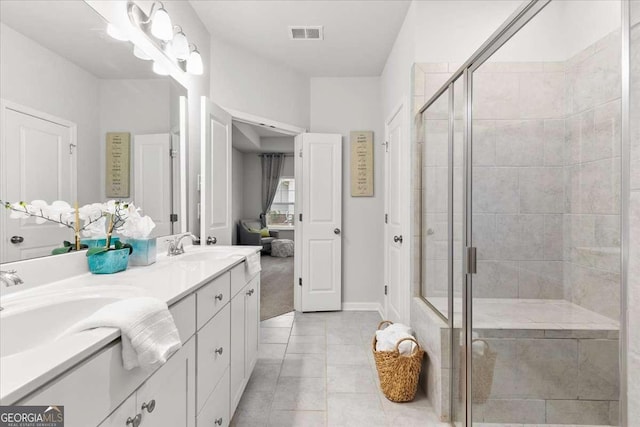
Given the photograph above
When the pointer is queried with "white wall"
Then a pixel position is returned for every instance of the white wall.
(237, 197)
(243, 81)
(36, 77)
(342, 105)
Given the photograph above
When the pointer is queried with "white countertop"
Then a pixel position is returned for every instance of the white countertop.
(169, 279)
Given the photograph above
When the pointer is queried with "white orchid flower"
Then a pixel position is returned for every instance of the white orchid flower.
(90, 212)
(96, 229)
(19, 210)
(62, 212)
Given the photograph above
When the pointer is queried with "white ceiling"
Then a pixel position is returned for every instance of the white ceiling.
(75, 31)
(358, 35)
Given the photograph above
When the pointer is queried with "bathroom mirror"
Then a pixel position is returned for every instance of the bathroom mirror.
(70, 89)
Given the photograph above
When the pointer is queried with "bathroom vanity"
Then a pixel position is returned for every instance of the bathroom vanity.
(215, 304)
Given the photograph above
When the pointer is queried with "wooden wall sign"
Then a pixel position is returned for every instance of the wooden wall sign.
(361, 164)
(118, 161)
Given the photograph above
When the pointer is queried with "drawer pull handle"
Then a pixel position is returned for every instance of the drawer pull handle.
(219, 350)
(219, 297)
(149, 406)
(218, 421)
(250, 292)
(135, 421)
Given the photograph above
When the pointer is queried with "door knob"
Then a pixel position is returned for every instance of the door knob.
(397, 239)
(149, 406)
(219, 297)
(211, 240)
(17, 239)
(336, 231)
(218, 422)
(219, 351)
(135, 421)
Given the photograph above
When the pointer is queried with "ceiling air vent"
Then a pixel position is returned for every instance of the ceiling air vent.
(306, 32)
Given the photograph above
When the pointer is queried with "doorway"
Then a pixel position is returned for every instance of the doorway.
(255, 141)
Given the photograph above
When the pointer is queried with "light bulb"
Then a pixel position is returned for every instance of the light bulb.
(116, 33)
(141, 54)
(160, 69)
(161, 27)
(180, 46)
(194, 63)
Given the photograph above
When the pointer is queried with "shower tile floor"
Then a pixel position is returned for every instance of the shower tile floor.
(317, 369)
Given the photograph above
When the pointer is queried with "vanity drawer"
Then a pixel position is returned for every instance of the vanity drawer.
(216, 410)
(184, 314)
(213, 354)
(239, 278)
(212, 297)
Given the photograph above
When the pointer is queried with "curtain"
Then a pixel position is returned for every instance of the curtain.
(272, 165)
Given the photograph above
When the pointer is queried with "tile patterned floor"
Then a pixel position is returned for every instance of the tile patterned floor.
(316, 369)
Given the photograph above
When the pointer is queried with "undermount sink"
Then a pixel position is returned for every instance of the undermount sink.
(35, 321)
(206, 255)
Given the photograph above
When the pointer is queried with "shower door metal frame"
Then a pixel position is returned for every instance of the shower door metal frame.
(503, 34)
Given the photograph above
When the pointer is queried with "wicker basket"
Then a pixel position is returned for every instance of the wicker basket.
(398, 373)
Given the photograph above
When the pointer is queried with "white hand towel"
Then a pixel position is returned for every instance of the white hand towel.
(149, 333)
(252, 265)
(387, 338)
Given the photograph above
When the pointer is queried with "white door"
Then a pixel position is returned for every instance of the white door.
(152, 179)
(321, 237)
(38, 161)
(215, 170)
(395, 267)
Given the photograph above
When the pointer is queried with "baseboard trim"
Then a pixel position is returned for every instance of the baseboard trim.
(362, 306)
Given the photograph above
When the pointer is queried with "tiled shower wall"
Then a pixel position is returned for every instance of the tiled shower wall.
(546, 178)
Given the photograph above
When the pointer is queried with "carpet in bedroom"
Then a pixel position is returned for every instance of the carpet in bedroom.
(276, 286)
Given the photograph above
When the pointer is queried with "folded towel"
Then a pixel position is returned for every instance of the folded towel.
(149, 334)
(252, 265)
(387, 338)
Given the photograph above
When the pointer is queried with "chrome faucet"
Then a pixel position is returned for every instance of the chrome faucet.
(175, 246)
(10, 278)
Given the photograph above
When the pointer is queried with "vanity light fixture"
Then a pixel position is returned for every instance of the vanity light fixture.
(116, 33)
(180, 44)
(194, 63)
(141, 54)
(160, 69)
(171, 40)
(161, 26)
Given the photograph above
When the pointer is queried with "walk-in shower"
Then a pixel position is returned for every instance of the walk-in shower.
(520, 187)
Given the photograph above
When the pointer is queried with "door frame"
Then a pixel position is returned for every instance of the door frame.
(6, 105)
(401, 109)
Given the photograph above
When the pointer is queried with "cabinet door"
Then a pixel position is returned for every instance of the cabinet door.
(125, 412)
(167, 399)
(213, 354)
(252, 324)
(237, 349)
(216, 410)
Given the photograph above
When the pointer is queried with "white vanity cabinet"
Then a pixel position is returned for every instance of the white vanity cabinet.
(199, 386)
(166, 399)
(245, 307)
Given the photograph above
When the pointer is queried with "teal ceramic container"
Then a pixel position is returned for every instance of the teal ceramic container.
(97, 243)
(144, 251)
(109, 262)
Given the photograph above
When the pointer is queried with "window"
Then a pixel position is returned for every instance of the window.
(282, 208)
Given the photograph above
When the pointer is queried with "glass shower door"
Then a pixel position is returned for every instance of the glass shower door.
(545, 221)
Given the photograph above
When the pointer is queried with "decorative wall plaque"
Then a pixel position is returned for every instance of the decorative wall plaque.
(362, 164)
(118, 161)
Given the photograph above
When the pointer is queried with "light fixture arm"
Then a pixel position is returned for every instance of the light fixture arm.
(138, 16)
